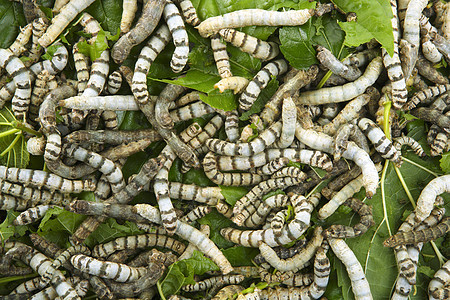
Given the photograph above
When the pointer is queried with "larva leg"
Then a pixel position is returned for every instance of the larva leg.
(149, 19)
(179, 36)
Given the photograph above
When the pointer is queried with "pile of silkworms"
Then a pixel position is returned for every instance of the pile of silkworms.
(335, 128)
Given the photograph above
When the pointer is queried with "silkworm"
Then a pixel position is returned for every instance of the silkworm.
(361, 58)
(31, 215)
(208, 195)
(37, 95)
(276, 277)
(382, 144)
(296, 262)
(250, 17)
(289, 119)
(114, 82)
(53, 66)
(427, 70)
(27, 286)
(439, 281)
(221, 58)
(292, 231)
(179, 36)
(112, 173)
(255, 213)
(232, 125)
(41, 178)
(249, 44)
(366, 221)
(197, 213)
(330, 62)
(360, 285)
(112, 137)
(434, 116)
(439, 144)
(235, 83)
(18, 46)
(144, 27)
(323, 142)
(119, 102)
(348, 113)
(8, 202)
(345, 92)
(259, 82)
(97, 78)
(430, 51)
(406, 140)
(60, 21)
(106, 269)
(39, 27)
(322, 271)
(424, 96)
(227, 292)
(22, 82)
(272, 166)
(190, 111)
(189, 12)
(81, 66)
(209, 282)
(128, 13)
(421, 236)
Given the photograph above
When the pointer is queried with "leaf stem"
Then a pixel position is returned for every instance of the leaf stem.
(421, 167)
(13, 143)
(158, 285)
(21, 126)
(438, 253)
(386, 124)
(324, 79)
(5, 124)
(405, 187)
(9, 132)
(383, 197)
(14, 278)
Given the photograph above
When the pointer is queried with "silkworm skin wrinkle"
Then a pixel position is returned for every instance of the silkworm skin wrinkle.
(179, 36)
(425, 96)
(440, 279)
(128, 13)
(344, 92)
(406, 140)
(81, 66)
(427, 197)
(114, 82)
(148, 54)
(232, 125)
(18, 46)
(31, 215)
(382, 144)
(221, 57)
(360, 285)
(289, 119)
(61, 20)
(119, 102)
(290, 232)
(260, 81)
(266, 138)
(22, 82)
(97, 78)
(235, 83)
(144, 27)
(41, 178)
(430, 52)
(250, 17)
(190, 111)
(106, 269)
(209, 282)
(249, 44)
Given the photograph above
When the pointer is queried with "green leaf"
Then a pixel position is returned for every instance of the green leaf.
(233, 193)
(51, 51)
(240, 256)
(11, 17)
(216, 222)
(95, 50)
(373, 21)
(12, 146)
(445, 162)
(110, 230)
(108, 13)
(297, 43)
(426, 270)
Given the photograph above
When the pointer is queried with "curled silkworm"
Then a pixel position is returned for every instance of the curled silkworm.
(179, 36)
(114, 82)
(439, 144)
(366, 221)
(250, 17)
(152, 12)
(327, 59)
(97, 78)
(406, 140)
(248, 44)
(235, 83)
(347, 91)
(128, 13)
(260, 81)
(209, 282)
(425, 96)
(360, 285)
(61, 20)
(222, 59)
(273, 166)
(430, 51)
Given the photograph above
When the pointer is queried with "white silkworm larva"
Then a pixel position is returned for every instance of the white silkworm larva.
(406, 140)
(32, 215)
(41, 178)
(327, 59)
(58, 5)
(430, 51)
(39, 27)
(190, 111)
(440, 279)
(249, 44)
(272, 166)
(38, 93)
(425, 96)
(250, 17)
(360, 285)
(61, 20)
(191, 248)
(106, 269)
(207, 195)
(221, 58)
(427, 197)
(116, 102)
(235, 83)
(22, 82)
(382, 144)
(439, 144)
(260, 81)
(18, 46)
(322, 271)
(345, 92)
(128, 13)
(209, 282)
(53, 66)
(189, 12)
(97, 78)
(232, 125)
(148, 54)
(179, 36)
(114, 82)
(289, 119)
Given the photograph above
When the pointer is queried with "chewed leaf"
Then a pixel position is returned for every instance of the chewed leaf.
(95, 50)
